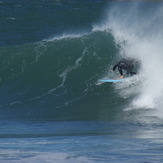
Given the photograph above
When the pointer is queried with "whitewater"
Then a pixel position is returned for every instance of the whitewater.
(140, 37)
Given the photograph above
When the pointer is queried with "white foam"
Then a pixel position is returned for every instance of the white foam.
(45, 157)
(140, 37)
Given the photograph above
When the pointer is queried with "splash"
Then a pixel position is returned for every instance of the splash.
(137, 29)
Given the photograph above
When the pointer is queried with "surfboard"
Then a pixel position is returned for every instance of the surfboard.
(110, 80)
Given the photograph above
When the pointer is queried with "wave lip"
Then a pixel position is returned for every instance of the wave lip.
(65, 36)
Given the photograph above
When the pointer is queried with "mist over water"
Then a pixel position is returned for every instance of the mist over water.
(138, 32)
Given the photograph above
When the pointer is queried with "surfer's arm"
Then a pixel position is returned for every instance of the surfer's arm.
(119, 62)
(115, 66)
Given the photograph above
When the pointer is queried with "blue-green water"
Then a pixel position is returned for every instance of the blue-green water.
(52, 53)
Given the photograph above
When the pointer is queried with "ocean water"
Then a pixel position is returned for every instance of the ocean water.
(52, 53)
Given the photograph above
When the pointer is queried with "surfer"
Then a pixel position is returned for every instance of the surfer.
(125, 64)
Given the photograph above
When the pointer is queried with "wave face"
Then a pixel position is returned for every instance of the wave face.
(55, 78)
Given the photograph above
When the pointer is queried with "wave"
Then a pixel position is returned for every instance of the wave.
(137, 28)
(54, 78)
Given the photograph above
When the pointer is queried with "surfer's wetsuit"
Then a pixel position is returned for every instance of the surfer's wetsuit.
(125, 64)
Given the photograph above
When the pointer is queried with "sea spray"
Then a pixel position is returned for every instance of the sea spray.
(139, 36)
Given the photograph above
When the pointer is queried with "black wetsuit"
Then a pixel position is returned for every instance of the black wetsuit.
(125, 64)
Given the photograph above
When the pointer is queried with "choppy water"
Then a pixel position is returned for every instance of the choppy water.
(52, 54)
